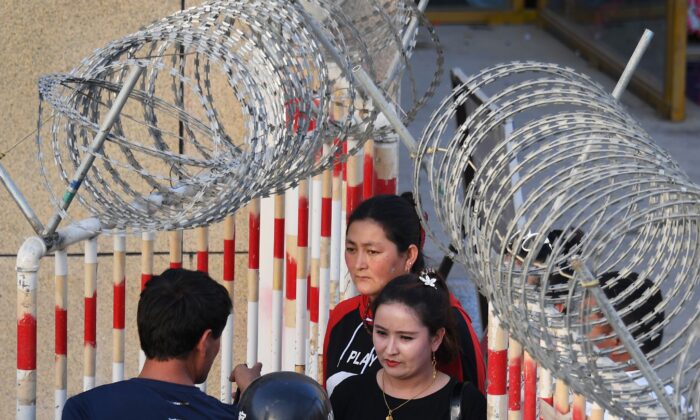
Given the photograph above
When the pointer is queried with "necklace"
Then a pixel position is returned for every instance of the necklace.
(391, 410)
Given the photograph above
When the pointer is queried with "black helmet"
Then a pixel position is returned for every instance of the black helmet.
(285, 396)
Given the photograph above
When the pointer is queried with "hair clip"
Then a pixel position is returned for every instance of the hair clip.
(427, 280)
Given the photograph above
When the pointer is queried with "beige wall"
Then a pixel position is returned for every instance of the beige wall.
(48, 36)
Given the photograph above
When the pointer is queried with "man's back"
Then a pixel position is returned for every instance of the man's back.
(147, 399)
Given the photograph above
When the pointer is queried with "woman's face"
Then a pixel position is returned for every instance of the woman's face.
(403, 344)
(603, 335)
(372, 259)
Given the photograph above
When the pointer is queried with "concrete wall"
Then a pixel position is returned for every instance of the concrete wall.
(50, 36)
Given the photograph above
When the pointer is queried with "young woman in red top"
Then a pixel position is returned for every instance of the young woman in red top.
(384, 239)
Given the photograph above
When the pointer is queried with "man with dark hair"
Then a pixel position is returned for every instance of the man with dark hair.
(181, 315)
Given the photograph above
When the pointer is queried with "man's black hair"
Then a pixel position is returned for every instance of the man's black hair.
(176, 308)
(614, 285)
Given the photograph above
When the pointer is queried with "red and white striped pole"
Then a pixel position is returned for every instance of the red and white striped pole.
(344, 278)
(597, 413)
(324, 286)
(202, 234)
(229, 273)
(118, 306)
(253, 280)
(28, 258)
(291, 228)
(90, 298)
(302, 276)
(277, 284)
(353, 174)
(337, 236)
(314, 274)
(368, 170)
(496, 399)
(561, 397)
(530, 379)
(386, 166)
(515, 366)
(147, 248)
(579, 409)
(61, 331)
(175, 248)
(544, 387)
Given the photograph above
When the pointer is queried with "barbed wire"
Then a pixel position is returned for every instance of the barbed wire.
(549, 167)
(175, 158)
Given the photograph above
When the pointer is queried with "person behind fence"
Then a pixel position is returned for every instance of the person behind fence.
(384, 239)
(635, 300)
(181, 315)
(413, 332)
(627, 292)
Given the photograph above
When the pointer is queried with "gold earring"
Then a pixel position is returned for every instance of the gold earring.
(434, 361)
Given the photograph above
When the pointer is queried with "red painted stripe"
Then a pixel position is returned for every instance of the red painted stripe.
(26, 343)
(229, 259)
(291, 292)
(254, 241)
(530, 403)
(344, 165)
(579, 411)
(326, 212)
(354, 198)
(119, 305)
(303, 223)
(61, 331)
(497, 361)
(203, 261)
(514, 373)
(144, 279)
(368, 181)
(174, 264)
(278, 247)
(384, 186)
(90, 332)
(548, 400)
(313, 303)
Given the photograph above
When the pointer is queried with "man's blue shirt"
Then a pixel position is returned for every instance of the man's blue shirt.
(148, 399)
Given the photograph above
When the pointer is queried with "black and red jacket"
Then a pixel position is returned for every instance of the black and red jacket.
(348, 348)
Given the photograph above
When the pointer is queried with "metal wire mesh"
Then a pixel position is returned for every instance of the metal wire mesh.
(548, 168)
(174, 158)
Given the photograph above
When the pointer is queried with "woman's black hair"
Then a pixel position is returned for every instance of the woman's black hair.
(644, 303)
(398, 218)
(431, 303)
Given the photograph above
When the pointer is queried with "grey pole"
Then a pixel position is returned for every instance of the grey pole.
(95, 147)
(20, 200)
(365, 83)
